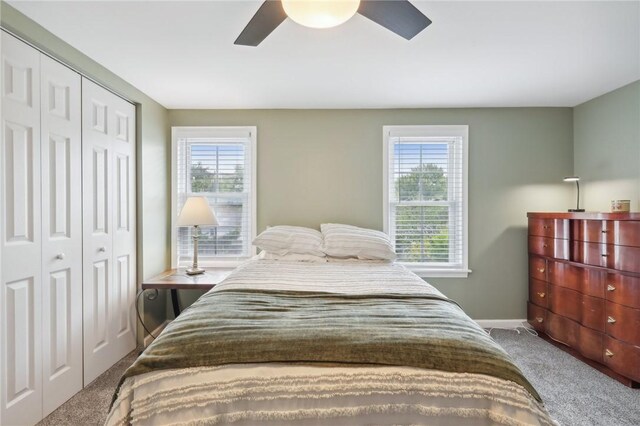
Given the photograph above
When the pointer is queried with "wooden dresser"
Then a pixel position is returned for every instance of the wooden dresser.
(584, 287)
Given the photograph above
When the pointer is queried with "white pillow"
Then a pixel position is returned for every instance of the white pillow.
(285, 239)
(293, 257)
(351, 241)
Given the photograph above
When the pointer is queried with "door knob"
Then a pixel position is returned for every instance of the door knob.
(60, 256)
(102, 249)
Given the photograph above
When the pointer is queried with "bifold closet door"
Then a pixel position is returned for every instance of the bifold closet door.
(21, 270)
(108, 150)
(61, 234)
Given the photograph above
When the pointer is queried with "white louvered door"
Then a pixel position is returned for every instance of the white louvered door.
(21, 273)
(108, 147)
(61, 233)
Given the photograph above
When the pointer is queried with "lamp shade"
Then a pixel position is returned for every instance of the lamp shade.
(320, 13)
(196, 211)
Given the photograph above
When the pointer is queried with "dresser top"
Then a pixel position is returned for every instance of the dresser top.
(585, 215)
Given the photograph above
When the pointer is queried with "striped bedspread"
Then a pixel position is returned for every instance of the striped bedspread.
(358, 343)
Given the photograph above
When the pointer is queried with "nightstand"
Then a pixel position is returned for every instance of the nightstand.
(177, 279)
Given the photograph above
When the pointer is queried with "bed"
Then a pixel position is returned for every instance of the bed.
(362, 342)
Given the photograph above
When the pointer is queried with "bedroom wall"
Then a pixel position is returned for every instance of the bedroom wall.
(318, 166)
(607, 148)
(153, 150)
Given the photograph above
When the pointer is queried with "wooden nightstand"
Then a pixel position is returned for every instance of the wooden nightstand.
(177, 279)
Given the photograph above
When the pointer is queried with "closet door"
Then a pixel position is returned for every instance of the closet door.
(20, 235)
(61, 234)
(124, 220)
(108, 221)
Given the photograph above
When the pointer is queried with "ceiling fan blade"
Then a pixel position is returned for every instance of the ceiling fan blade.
(399, 16)
(267, 18)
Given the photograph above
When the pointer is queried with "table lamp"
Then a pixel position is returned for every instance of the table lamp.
(575, 179)
(196, 212)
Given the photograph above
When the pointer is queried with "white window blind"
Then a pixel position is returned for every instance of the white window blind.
(217, 163)
(425, 197)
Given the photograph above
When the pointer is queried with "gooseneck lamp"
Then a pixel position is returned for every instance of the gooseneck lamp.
(575, 179)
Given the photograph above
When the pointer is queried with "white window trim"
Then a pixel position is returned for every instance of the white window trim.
(425, 270)
(195, 131)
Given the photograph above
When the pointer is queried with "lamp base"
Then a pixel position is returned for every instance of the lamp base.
(195, 271)
(576, 210)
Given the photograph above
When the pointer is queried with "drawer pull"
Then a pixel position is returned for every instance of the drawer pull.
(604, 231)
(611, 320)
(545, 226)
(608, 353)
(545, 246)
(610, 287)
(541, 270)
(541, 294)
(604, 255)
(539, 319)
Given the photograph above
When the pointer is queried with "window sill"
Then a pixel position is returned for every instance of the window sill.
(216, 265)
(426, 272)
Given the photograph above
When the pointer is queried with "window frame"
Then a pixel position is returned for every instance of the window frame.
(178, 132)
(424, 269)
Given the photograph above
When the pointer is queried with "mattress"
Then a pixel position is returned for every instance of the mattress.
(314, 388)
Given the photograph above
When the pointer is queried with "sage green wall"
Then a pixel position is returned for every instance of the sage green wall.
(153, 179)
(318, 166)
(607, 148)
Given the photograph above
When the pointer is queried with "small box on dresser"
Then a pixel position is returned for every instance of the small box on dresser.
(584, 287)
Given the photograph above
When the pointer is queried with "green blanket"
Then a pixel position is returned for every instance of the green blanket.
(251, 326)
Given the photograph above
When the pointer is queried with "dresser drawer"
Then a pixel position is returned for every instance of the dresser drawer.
(538, 292)
(623, 323)
(550, 247)
(536, 316)
(593, 231)
(622, 258)
(623, 232)
(586, 310)
(585, 280)
(562, 329)
(585, 340)
(622, 357)
(553, 228)
(623, 290)
(538, 268)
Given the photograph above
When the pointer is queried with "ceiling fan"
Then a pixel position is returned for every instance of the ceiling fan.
(399, 16)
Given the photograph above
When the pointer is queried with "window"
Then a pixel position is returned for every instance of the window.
(219, 164)
(425, 197)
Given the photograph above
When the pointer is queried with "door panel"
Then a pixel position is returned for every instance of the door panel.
(124, 241)
(20, 236)
(61, 233)
(109, 237)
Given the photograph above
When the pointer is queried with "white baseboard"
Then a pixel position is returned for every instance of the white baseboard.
(148, 339)
(501, 323)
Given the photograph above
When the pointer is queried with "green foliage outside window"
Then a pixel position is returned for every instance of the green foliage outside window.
(422, 232)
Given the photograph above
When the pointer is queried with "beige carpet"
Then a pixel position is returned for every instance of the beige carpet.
(574, 393)
(89, 406)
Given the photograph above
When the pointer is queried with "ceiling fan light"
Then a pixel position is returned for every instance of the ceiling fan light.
(320, 13)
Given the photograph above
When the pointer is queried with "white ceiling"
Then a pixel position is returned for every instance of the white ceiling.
(475, 54)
